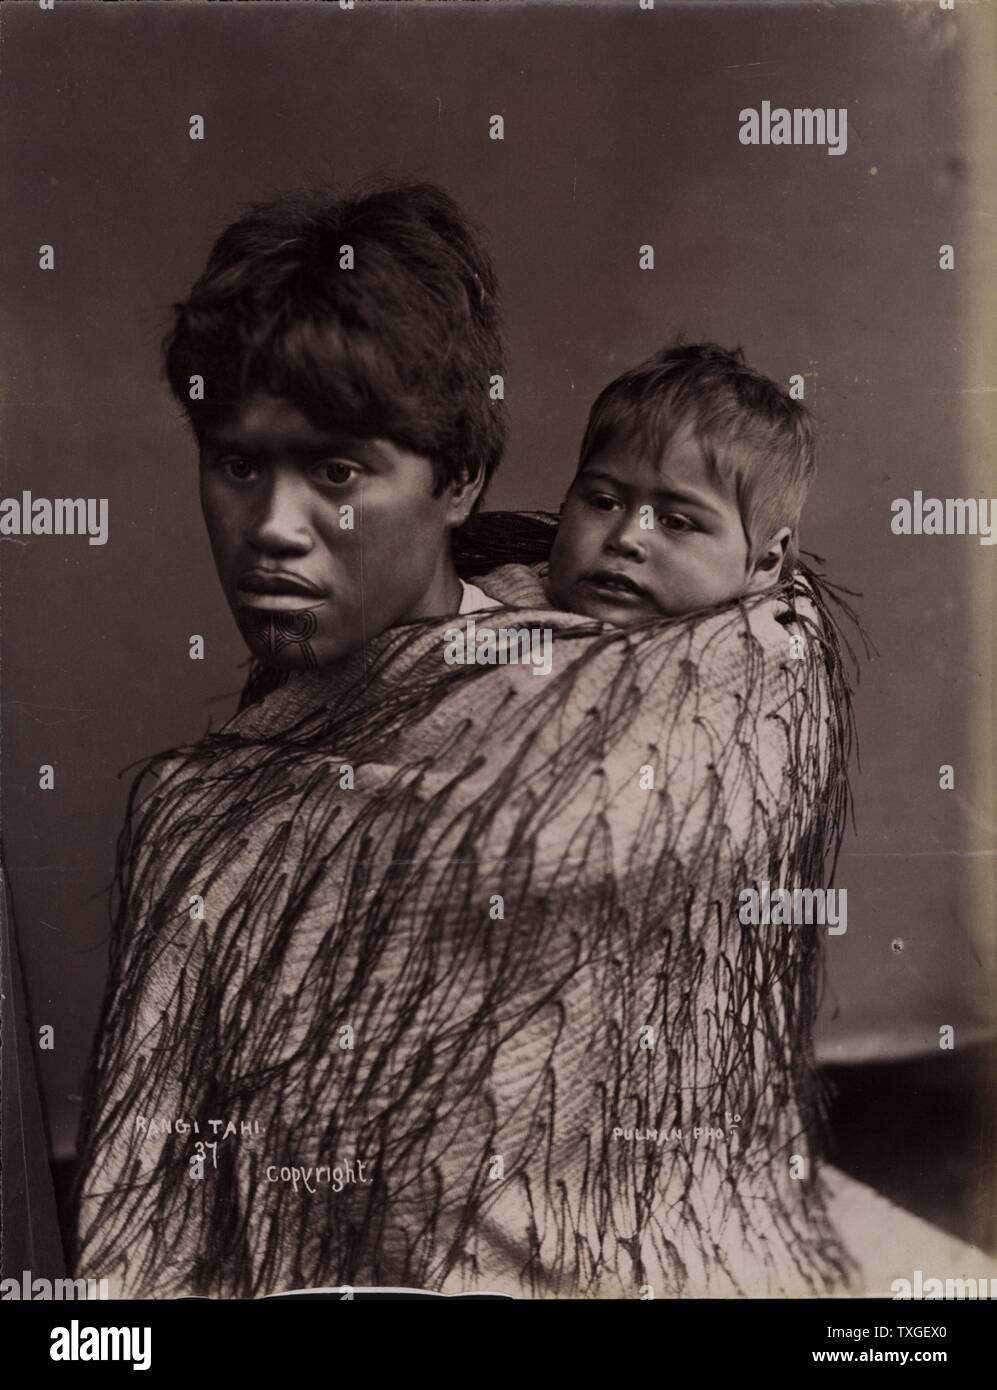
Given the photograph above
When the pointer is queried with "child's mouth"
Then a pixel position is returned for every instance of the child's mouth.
(610, 584)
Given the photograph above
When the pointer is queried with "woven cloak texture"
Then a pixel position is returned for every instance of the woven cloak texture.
(467, 969)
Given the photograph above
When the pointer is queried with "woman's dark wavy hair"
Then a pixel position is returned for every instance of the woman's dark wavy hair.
(401, 346)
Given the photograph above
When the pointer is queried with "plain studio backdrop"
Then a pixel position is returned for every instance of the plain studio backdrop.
(621, 130)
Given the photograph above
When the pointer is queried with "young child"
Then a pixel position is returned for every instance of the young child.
(692, 475)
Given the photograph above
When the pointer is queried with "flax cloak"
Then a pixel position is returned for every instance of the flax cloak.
(532, 943)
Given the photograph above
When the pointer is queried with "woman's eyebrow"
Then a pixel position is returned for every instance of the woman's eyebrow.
(220, 441)
(330, 447)
(261, 450)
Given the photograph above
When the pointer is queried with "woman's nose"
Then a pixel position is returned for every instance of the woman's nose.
(281, 522)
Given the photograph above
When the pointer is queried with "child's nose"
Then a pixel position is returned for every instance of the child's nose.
(626, 537)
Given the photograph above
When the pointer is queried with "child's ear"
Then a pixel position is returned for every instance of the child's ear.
(768, 565)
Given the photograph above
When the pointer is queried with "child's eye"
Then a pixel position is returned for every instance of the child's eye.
(335, 472)
(672, 521)
(603, 501)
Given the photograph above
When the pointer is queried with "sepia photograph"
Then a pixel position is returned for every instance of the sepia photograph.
(497, 543)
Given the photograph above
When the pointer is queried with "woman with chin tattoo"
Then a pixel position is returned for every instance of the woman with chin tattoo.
(461, 925)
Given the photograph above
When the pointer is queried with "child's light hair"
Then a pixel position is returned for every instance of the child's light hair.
(751, 432)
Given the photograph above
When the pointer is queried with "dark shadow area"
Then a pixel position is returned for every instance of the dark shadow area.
(920, 1131)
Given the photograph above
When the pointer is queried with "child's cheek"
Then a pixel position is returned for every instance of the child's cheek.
(559, 569)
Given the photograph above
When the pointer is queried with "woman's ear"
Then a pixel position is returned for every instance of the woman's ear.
(464, 492)
(768, 564)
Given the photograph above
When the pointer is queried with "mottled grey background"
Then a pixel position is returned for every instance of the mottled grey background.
(620, 129)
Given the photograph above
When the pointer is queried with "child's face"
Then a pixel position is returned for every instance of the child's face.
(322, 542)
(686, 550)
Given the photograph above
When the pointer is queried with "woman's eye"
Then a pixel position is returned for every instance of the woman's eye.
(237, 468)
(335, 471)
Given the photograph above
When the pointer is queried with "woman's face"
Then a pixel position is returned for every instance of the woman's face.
(321, 541)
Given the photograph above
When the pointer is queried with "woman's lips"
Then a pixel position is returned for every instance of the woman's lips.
(277, 592)
(279, 603)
